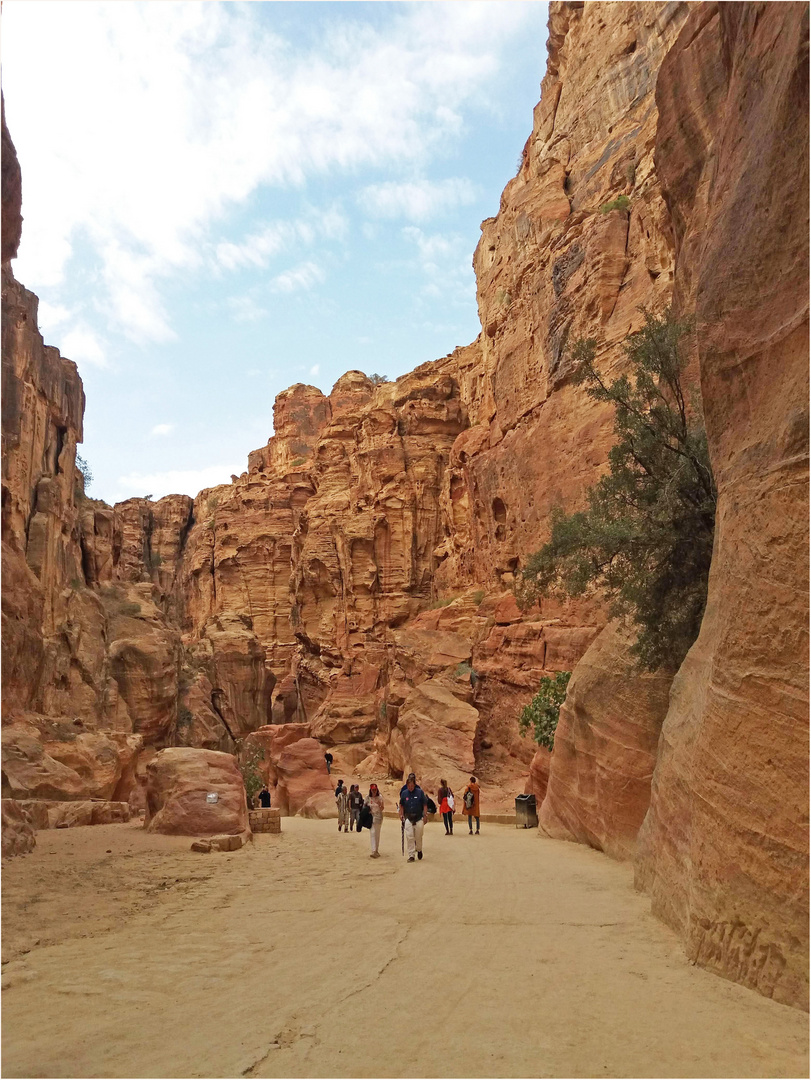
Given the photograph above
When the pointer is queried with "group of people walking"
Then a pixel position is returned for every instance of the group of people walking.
(355, 812)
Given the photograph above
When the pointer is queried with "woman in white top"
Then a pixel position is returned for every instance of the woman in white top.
(374, 801)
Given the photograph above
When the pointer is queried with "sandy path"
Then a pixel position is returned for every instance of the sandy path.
(502, 955)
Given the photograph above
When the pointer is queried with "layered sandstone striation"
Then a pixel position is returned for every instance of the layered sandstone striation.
(724, 848)
(600, 772)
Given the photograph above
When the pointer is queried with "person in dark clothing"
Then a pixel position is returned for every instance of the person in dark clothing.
(328, 759)
(264, 798)
(413, 814)
(355, 807)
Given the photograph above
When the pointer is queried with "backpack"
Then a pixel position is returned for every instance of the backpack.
(365, 821)
(430, 804)
(470, 798)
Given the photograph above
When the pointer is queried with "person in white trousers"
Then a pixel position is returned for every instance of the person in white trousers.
(374, 801)
(413, 814)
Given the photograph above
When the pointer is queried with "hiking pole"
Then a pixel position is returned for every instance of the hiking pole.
(402, 835)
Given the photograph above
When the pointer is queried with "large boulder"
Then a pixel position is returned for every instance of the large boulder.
(605, 747)
(195, 793)
(18, 832)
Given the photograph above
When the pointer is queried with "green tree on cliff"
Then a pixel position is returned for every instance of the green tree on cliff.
(645, 537)
(543, 711)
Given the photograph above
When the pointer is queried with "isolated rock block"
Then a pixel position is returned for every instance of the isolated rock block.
(195, 792)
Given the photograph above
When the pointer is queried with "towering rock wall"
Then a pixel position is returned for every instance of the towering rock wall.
(724, 849)
(556, 264)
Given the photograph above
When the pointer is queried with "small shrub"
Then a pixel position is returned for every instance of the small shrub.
(463, 669)
(478, 596)
(130, 610)
(297, 462)
(85, 470)
(75, 584)
(382, 710)
(378, 379)
(212, 502)
(251, 776)
(543, 711)
(154, 560)
(441, 603)
(185, 718)
(622, 202)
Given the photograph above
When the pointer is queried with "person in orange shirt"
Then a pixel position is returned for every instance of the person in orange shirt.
(471, 804)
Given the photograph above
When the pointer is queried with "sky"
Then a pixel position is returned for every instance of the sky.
(223, 199)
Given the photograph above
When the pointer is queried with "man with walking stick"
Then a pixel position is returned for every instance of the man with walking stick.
(413, 815)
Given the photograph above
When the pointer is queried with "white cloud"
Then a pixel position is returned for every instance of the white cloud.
(304, 276)
(162, 429)
(444, 260)
(314, 370)
(417, 200)
(260, 247)
(154, 121)
(83, 346)
(51, 316)
(173, 482)
(246, 309)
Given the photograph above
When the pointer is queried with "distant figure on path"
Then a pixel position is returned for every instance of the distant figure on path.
(471, 807)
(374, 801)
(414, 814)
(328, 759)
(342, 801)
(446, 806)
(264, 798)
(355, 807)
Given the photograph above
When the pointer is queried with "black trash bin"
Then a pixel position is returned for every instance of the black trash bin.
(526, 815)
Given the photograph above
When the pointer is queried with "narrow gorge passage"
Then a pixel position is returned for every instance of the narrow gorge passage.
(506, 955)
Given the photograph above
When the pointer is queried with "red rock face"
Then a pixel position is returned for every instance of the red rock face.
(605, 748)
(724, 849)
(195, 793)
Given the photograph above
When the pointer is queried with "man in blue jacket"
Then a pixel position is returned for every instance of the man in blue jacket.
(414, 814)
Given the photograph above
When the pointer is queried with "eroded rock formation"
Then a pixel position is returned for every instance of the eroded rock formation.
(605, 747)
(724, 849)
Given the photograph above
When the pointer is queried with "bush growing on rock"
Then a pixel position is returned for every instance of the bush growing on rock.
(622, 202)
(543, 711)
(646, 536)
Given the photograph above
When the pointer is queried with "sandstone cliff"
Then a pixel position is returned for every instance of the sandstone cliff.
(724, 849)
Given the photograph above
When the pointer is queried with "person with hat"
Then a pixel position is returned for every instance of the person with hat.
(413, 815)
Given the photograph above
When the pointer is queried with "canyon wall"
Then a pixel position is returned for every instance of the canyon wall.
(724, 848)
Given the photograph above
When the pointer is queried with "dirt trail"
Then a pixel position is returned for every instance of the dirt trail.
(499, 955)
